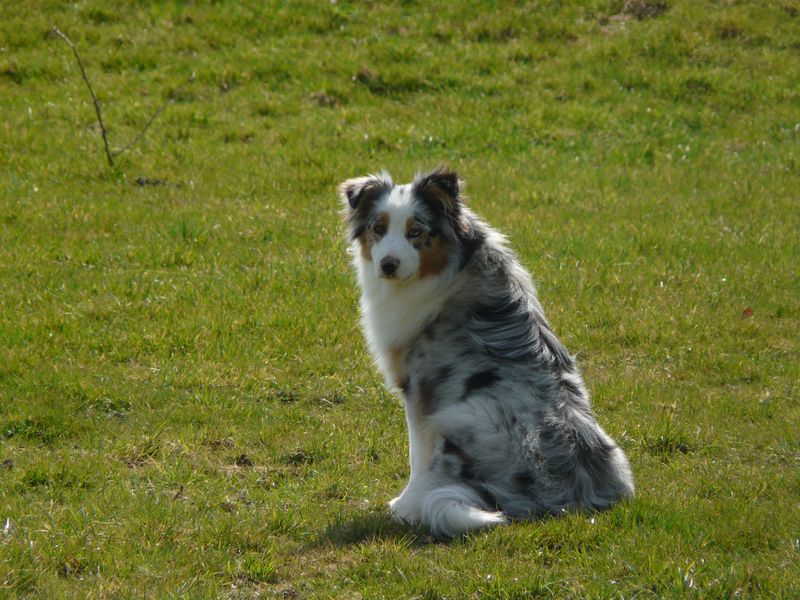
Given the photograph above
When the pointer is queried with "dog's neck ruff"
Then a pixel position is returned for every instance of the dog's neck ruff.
(394, 312)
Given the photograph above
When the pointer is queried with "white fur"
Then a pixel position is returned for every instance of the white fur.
(394, 244)
(392, 312)
(449, 509)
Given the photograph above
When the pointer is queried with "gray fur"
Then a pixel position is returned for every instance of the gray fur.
(532, 419)
(512, 427)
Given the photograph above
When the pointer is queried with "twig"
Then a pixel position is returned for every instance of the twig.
(109, 154)
(96, 102)
(141, 133)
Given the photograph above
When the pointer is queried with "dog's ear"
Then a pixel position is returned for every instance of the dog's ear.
(441, 189)
(359, 195)
(360, 192)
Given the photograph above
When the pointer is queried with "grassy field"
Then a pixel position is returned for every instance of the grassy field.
(186, 405)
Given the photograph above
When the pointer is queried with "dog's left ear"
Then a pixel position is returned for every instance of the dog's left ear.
(441, 189)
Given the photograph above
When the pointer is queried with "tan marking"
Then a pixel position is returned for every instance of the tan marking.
(365, 241)
(427, 397)
(434, 258)
(396, 366)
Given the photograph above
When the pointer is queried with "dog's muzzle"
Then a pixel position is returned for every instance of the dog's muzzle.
(389, 266)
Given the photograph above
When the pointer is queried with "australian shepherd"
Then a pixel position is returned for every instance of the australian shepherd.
(499, 421)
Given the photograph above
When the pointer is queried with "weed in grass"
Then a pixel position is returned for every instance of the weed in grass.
(141, 453)
(252, 568)
(667, 443)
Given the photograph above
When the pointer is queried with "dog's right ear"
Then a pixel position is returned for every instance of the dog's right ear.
(363, 191)
(359, 195)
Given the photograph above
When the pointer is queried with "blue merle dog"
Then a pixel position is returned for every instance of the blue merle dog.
(499, 421)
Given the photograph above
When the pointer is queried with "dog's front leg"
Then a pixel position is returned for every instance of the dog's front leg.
(421, 443)
(407, 507)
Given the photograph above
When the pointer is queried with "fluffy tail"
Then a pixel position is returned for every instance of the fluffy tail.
(578, 450)
(454, 510)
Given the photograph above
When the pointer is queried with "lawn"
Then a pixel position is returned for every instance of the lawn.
(187, 408)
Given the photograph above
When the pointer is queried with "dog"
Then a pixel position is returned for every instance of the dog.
(499, 422)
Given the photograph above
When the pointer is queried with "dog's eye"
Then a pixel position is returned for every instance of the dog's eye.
(379, 228)
(414, 233)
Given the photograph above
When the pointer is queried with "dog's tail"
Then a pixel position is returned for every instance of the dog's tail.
(453, 510)
(577, 448)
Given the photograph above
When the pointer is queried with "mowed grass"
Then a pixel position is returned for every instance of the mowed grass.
(186, 404)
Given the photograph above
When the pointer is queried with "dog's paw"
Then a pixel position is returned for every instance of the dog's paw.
(404, 509)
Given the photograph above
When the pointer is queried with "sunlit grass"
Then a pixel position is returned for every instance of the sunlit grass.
(186, 404)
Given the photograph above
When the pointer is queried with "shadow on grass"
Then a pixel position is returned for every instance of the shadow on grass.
(378, 527)
(371, 527)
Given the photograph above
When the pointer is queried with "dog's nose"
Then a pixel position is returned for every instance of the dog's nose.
(389, 266)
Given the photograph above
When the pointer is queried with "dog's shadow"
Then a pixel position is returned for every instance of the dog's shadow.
(369, 527)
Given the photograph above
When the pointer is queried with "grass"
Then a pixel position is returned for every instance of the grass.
(186, 404)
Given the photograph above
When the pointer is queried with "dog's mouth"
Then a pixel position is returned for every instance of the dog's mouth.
(394, 277)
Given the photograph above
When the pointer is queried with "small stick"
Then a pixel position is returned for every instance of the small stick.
(96, 102)
(153, 117)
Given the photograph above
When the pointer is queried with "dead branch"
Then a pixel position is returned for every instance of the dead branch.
(109, 154)
(153, 117)
(96, 102)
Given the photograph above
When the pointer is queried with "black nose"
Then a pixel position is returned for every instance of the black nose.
(389, 266)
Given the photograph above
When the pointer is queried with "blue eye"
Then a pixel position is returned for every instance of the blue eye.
(414, 233)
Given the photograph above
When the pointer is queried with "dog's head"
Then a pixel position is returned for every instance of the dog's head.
(407, 231)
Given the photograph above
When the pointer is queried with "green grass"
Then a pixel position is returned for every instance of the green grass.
(186, 404)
